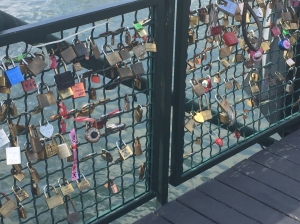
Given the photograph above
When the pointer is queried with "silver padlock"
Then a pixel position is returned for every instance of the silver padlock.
(289, 86)
(228, 84)
(63, 149)
(197, 87)
(139, 50)
(113, 58)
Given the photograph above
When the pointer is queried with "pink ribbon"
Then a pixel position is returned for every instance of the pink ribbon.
(73, 138)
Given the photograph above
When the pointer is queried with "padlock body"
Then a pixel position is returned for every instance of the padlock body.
(137, 68)
(230, 39)
(63, 151)
(84, 184)
(14, 75)
(36, 66)
(125, 73)
(7, 208)
(65, 190)
(54, 201)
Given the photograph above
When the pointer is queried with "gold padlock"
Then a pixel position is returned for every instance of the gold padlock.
(67, 189)
(254, 88)
(190, 124)
(22, 212)
(137, 147)
(19, 176)
(33, 173)
(206, 114)
(84, 184)
(124, 149)
(224, 118)
(55, 200)
(8, 207)
(138, 113)
(151, 47)
(20, 194)
(65, 93)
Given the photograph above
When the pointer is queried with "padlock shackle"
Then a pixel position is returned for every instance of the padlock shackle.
(64, 42)
(4, 195)
(38, 87)
(81, 174)
(104, 49)
(64, 179)
(70, 199)
(14, 189)
(7, 58)
(47, 191)
(120, 46)
(200, 102)
(218, 98)
(118, 144)
(61, 137)
(40, 121)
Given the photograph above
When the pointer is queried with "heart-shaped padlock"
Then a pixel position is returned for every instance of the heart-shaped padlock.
(46, 130)
(219, 142)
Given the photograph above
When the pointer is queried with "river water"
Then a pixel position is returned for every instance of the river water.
(39, 10)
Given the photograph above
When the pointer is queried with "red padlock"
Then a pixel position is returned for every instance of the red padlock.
(216, 138)
(28, 85)
(62, 109)
(207, 83)
(215, 30)
(237, 134)
(275, 31)
(63, 126)
(230, 38)
(95, 78)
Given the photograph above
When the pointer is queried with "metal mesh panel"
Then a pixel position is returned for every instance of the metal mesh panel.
(97, 201)
(273, 104)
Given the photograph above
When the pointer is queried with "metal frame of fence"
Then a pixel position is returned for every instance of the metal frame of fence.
(157, 90)
(279, 111)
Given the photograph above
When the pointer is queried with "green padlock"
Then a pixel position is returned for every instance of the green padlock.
(138, 26)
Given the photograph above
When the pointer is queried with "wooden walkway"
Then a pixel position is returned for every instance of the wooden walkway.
(264, 188)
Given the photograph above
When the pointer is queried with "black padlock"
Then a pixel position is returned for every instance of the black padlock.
(64, 80)
(79, 48)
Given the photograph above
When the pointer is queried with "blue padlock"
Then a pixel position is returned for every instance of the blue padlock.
(228, 7)
(284, 44)
(14, 74)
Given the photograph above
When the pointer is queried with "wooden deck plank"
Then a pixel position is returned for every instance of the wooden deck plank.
(291, 139)
(288, 152)
(151, 219)
(244, 203)
(261, 192)
(212, 209)
(278, 163)
(269, 177)
(178, 214)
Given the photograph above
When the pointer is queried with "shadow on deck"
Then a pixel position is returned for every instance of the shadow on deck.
(261, 189)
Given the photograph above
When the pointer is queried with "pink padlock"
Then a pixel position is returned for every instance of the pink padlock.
(256, 57)
(53, 64)
(216, 138)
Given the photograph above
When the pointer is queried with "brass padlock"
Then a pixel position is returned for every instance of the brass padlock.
(223, 103)
(18, 175)
(251, 102)
(33, 173)
(4, 90)
(225, 63)
(35, 140)
(30, 154)
(203, 15)
(142, 171)
(190, 125)
(84, 184)
(289, 86)
(265, 45)
(217, 78)
(51, 148)
(3, 110)
(8, 207)
(67, 189)
(124, 72)
(206, 114)
(138, 113)
(105, 155)
(20, 194)
(35, 190)
(3, 81)
(224, 118)
(45, 99)
(224, 52)
(63, 149)
(124, 53)
(36, 66)
(253, 88)
(72, 217)
(286, 16)
(124, 149)
(77, 66)
(151, 47)
(12, 128)
(13, 109)
(236, 84)
(92, 94)
(137, 147)
(191, 36)
(228, 84)
(22, 212)
(22, 128)
(65, 93)
(261, 3)
(197, 87)
(55, 200)
(113, 58)
(68, 54)
(194, 20)
(95, 49)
